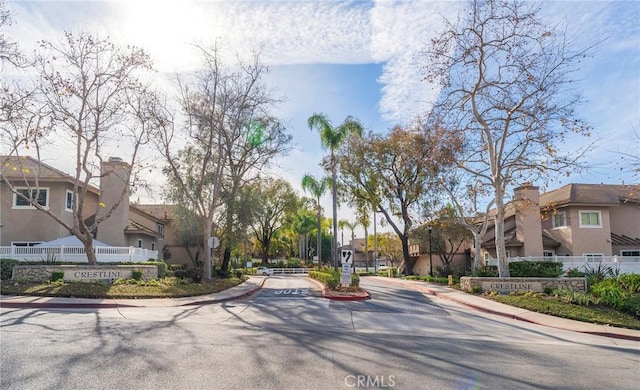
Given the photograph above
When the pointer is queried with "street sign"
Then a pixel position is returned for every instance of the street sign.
(347, 256)
(346, 268)
(213, 242)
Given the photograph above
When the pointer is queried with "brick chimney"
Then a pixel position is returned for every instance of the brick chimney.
(528, 220)
(114, 178)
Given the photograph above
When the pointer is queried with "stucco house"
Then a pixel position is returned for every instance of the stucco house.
(591, 220)
(23, 225)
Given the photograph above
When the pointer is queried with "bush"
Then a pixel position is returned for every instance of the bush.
(630, 282)
(611, 292)
(6, 268)
(329, 279)
(136, 275)
(56, 275)
(385, 272)
(239, 274)
(355, 280)
(531, 269)
(191, 273)
(490, 271)
(175, 267)
(162, 267)
(574, 273)
(576, 297)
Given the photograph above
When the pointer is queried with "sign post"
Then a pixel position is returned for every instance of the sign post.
(347, 261)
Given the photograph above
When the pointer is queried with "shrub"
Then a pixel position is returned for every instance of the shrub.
(476, 290)
(330, 279)
(630, 282)
(543, 269)
(596, 273)
(136, 275)
(191, 273)
(632, 304)
(175, 267)
(56, 275)
(355, 280)
(574, 273)
(162, 267)
(6, 268)
(576, 297)
(611, 292)
(238, 273)
(485, 271)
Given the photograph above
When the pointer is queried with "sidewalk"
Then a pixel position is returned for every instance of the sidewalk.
(493, 307)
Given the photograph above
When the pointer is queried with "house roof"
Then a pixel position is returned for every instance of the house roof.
(134, 227)
(23, 168)
(591, 194)
(159, 211)
(511, 241)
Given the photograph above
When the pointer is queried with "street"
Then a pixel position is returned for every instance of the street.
(286, 336)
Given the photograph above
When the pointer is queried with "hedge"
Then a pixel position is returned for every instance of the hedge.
(531, 269)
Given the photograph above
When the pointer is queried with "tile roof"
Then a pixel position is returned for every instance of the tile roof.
(160, 211)
(137, 228)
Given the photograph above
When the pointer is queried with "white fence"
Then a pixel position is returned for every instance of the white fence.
(104, 254)
(284, 271)
(619, 264)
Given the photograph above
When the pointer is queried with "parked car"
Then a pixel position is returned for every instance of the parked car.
(264, 271)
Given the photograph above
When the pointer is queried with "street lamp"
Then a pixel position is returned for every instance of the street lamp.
(430, 262)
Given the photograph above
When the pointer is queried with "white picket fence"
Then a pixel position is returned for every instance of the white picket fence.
(618, 264)
(104, 254)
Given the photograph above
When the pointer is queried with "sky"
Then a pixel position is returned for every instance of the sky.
(358, 58)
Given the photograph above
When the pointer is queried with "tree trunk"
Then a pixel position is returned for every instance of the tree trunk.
(206, 258)
(366, 249)
(91, 255)
(503, 264)
(319, 247)
(477, 239)
(408, 266)
(334, 195)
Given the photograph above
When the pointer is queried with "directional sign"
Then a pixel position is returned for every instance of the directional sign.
(213, 242)
(347, 256)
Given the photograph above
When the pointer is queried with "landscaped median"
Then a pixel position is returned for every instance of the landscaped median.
(330, 279)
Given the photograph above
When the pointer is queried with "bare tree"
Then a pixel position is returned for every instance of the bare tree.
(228, 136)
(507, 91)
(87, 95)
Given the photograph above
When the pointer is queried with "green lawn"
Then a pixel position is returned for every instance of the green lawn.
(597, 314)
(163, 288)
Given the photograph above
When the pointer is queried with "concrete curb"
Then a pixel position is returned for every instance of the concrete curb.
(227, 299)
(327, 295)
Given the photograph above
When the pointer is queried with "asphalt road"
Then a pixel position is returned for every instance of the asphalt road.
(287, 337)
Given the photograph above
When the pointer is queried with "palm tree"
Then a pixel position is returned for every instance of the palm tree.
(317, 188)
(332, 138)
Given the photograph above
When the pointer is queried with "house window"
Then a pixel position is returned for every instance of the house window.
(630, 252)
(40, 196)
(559, 219)
(140, 243)
(590, 218)
(160, 228)
(68, 205)
(593, 257)
(548, 254)
(153, 246)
